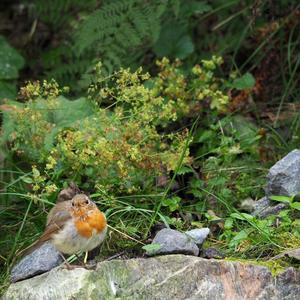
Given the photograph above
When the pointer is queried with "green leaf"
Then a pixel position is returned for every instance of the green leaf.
(241, 236)
(68, 114)
(228, 223)
(184, 170)
(10, 61)
(171, 203)
(212, 217)
(296, 223)
(174, 41)
(151, 247)
(8, 124)
(247, 81)
(175, 5)
(284, 199)
(242, 216)
(8, 89)
(68, 111)
(89, 172)
(27, 179)
(197, 193)
(243, 128)
(218, 181)
(296, 205)
(204, 136)
(184, 47)
(194, 7)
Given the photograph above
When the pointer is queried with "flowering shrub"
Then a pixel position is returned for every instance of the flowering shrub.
(190, 91)
(110, 140)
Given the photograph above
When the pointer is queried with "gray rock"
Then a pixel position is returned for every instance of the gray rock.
(212, 253)
(284, 176)
(283, 179)
(295, 253)
(198, 235)
(248, 205)
(173, 242)
(261, 204)
(264, 208)
(272, 210)
(166, 277)
(39, 261)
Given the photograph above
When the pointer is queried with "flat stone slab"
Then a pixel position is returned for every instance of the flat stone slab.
(166, 277)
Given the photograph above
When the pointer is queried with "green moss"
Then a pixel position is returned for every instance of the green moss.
(112, 274)
(275, 266)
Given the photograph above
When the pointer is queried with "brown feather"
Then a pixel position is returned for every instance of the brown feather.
(56, 219)
(60, 211)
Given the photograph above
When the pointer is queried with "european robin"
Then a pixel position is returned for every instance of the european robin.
(75, 225)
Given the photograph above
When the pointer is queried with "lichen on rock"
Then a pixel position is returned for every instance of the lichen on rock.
(166, 277)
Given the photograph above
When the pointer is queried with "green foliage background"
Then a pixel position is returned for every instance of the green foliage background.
(165, 111)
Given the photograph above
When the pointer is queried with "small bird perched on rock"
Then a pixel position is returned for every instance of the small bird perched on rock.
(75, 225)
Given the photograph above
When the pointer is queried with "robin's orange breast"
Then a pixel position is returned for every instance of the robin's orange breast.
(94, 222)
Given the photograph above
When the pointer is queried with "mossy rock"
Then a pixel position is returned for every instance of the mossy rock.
(164, 277)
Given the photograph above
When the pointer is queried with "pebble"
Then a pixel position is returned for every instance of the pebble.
(173, 242)
(199, 235)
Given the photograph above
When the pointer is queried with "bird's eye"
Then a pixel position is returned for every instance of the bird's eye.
(87, 202)
(73, 204)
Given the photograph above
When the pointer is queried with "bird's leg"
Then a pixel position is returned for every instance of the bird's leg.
(90, 266)
(85, 257)
(68, 266)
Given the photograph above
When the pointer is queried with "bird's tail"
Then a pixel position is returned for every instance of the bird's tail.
(29, 249)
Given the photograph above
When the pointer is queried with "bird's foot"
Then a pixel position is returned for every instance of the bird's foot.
(91, 265)
(72, 267)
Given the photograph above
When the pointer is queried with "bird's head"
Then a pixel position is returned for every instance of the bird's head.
(82, 201)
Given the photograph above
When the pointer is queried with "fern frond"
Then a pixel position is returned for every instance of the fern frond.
(57, 13)
(119, 27)
(114, 33)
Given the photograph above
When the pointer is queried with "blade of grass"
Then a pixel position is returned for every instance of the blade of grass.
(10, 259)
(179, 164)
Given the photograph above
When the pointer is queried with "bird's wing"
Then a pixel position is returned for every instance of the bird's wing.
(60, 210)
(57, 221)
(57, 217)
